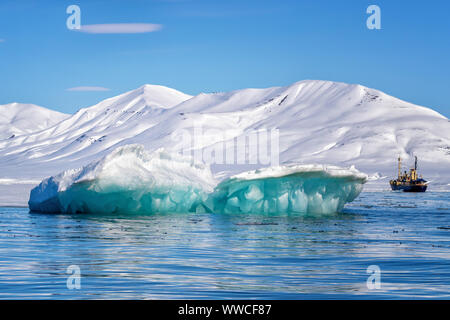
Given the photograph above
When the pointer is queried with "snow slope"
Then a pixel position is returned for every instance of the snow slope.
(92, 130)
(18, 119)
(319, 122)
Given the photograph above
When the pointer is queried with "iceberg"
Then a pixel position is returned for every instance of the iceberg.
(130, 179)
(314, 189)
(127, 180)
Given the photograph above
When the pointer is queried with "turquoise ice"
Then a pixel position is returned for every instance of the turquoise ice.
(303, 191)
(127, 180)
(132, 180)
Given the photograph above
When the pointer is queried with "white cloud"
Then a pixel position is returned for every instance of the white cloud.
(120, 28)
(88, 88)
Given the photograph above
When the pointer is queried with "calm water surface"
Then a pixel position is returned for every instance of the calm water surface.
(219, 256)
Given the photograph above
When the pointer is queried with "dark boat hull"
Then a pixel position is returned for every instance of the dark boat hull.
(410, 188)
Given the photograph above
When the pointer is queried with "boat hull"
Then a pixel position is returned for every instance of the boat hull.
(410, 188)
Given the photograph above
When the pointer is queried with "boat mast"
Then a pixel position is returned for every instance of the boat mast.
(399, 167)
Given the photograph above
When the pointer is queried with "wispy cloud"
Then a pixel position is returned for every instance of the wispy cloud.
(88, 88)
(120, 28)
(2, 40)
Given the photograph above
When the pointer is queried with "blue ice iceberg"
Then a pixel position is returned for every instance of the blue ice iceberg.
(127, 180)
(284, 189)
(132, 180)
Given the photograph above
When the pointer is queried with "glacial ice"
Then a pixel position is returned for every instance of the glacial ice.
(285, 189)
(132, 180)
(128, 180)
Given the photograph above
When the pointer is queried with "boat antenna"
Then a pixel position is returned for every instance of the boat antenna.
(399, 167)
(415, 163)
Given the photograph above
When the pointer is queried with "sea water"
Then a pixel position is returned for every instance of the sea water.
(239, 256)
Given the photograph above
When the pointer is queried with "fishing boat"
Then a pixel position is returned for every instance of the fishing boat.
(408, 182)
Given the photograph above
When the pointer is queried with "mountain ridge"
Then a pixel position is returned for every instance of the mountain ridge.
(15, 119)
(318, 121)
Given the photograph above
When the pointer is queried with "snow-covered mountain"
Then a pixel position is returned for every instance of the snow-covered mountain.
(17, 119)
(318, 122)
(95, 129)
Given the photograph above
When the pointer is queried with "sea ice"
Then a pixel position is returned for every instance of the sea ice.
(133, 180)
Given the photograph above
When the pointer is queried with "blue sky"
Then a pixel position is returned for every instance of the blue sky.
(209, 45)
